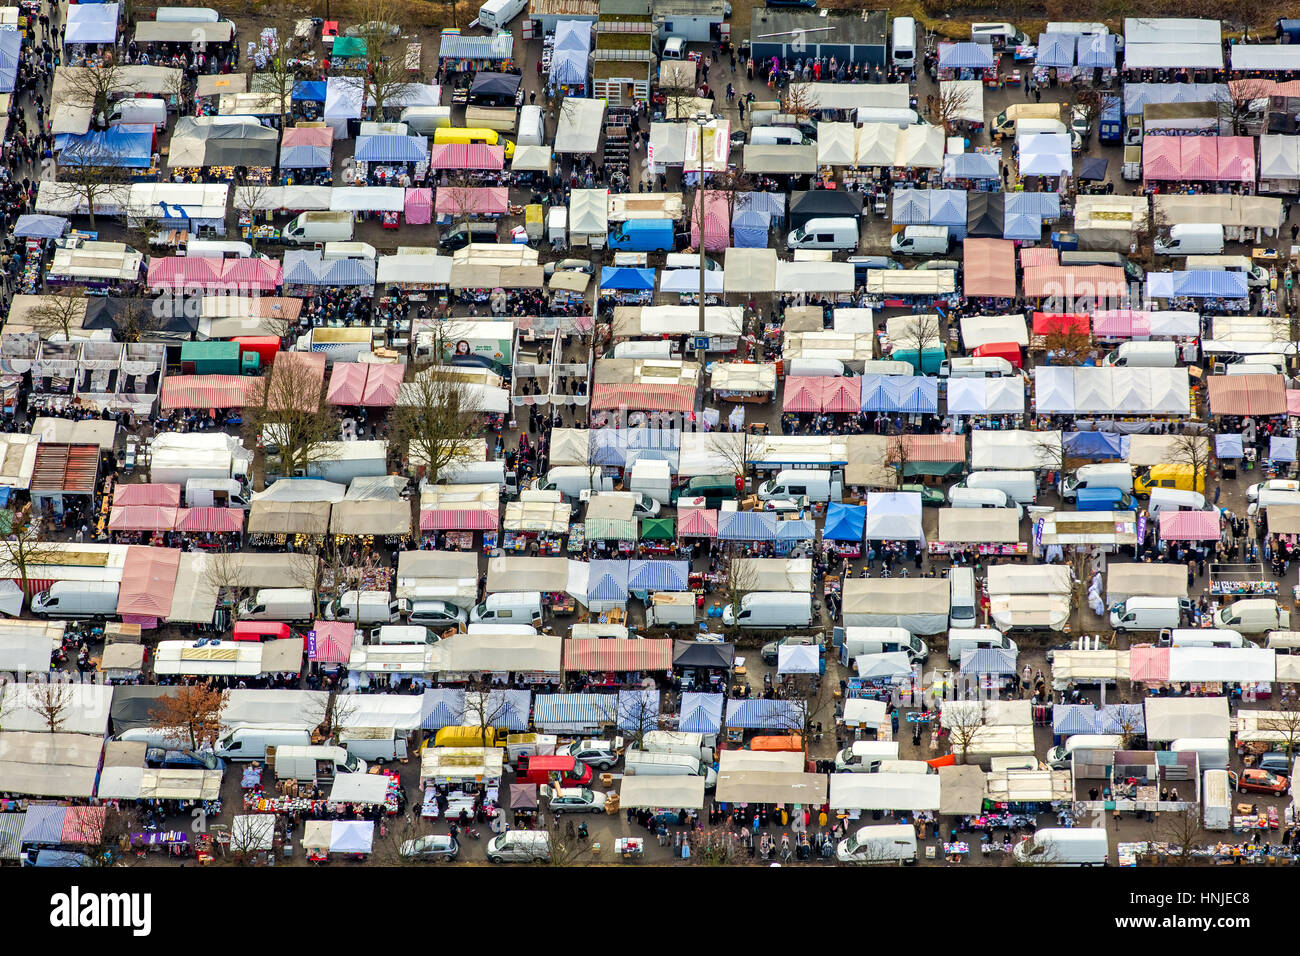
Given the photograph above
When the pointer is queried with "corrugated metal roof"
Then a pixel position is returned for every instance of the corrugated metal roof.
(11, 834)
(70, 469)
(207, 391)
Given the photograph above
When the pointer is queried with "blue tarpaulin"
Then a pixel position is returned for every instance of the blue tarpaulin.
(651, 575)
(309, 91)
(1095, 445)
(701, 713)
(844, 522)
(387, 148)
(128, 145)
(627, 279)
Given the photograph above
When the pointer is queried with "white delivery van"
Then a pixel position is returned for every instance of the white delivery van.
(828, 233)
(885, 640)
(963, 602)
(1148, 613)
(1059, 758)
(1019, 486)
(318, 226)
(1144, 355)
(998, 35)
(771, 609)
(966, 367)
(960, 497)
(677, 742)
(815, 484)
(77, 599)
(522, 607)
(819, 366)
(865, 756)
(1253, 616)
(920, 241)
(1202, 637)
(315, 763)
(1108, 475)
(1174, 499)
(1064, 846)
(215, 493)
(366, 607)
(218, 249)
(903, 47)
(1211, 752)
(379, 745)
(1191, 238)
(520, 846)
(572, 480)
(532, 126)
(777, 136)
(495, 14)
(642, 763)
(142, 111)
(1284, 642)
(400, 634)
(1216, 799)
(652, 479)
(423, 120)
(250, 743)
(277, 604)
(642, 349)
(905, 766)
(966, 639)
(887, 843)
(1257, 365)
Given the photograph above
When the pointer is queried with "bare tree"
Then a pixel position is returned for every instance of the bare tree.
(1181, 833)
(382, 74)
(93, 88)
(1129, 720)
(897, 455)
(280, 72)
(192, 712)
(1193, 451)
(248, 199)
(741, 579)
(224, 570)
(953, 103)
(1235, 100)
(23, 549)
(964, 719)
(1286, 724)
(436, 421)
(103, 834)
(638, 714)
(916, 333)
(51, 700)
(800, 102)
(286, 410)
(59, 312)
(1070, 341)
(1087, 103)
(486, 710)
(567, 848)
(732, 449)
(679, 100)
(94, 171)
(465, 199)
(332, 712)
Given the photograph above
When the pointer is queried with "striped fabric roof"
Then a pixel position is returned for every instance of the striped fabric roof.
(460, 519)
(44, 824)
(638, 710)
(614, 654)
(442, 707)
(610, 529)
(575, 708)
(607, 581)
(392, 148)
(701, 713)
(1189, 526)
(796, 529)
(215, 520)
(207, 391)
(932, 447)
(644, 575)
(177, 272)
(467, 156)
(759, 714)
(165, 496)
(746, 526)
(11, 835)
(666, 398)
(697, 523)
(1147, 663)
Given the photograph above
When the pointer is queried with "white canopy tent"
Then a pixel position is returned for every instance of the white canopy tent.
(1170, 718)
(977, 330)
(1236, 664)
(580, 125)
(1020, 450)
(884, 791)
(894, 516)
(1045, 154)
(986, 396)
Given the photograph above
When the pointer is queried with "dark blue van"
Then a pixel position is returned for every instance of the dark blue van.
(1103, 499)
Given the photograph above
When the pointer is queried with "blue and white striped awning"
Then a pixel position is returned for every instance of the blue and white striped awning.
(759, 714)
(551, 710)
(1097, 52)
(746, 526)
(912, 207)
(948, 207)
(499, 46)
(308, 267)
(646, 575)
(701, 713)
(305, 157)
(626, 446)
(1210, 283)
(796, 529)
(506, 708)
(1056, 50)
(1108, 719)
(442, 707)
(1282, 448)
(966, 56)
(988, 660)
(1023, 226)
(912, 394)
(1043, 205)
(970, 166)
(10, 44)
(638, 711)
(608, 581)
(44, 824)
(390, 148)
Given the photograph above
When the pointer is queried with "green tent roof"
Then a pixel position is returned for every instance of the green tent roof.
(349, 46)
(657, 529)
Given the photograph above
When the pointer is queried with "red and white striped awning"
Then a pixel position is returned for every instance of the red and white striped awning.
(657, 398)
(164, 496)
(460, 519)
(141, 518)
(1189, 526)
(461, 201)
(697, 523)
(467, 156)
(215, 520)
(417, 206)
(206, 391)
(617, 654)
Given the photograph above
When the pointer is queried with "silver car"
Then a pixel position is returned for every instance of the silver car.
(433, 846)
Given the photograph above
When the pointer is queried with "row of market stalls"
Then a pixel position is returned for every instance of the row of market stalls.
(1018, 216)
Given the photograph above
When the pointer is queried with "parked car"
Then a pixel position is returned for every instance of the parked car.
(576, 800)
(772, 650)
(1277, 762)
(567, 265)
(1273, 484)
(597, 754)
(1261, 781)
(434, 846)
(929, 496)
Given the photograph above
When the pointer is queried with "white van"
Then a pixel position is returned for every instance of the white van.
(423, 120)
(689, 260)
(495, 14)
(1201, 637)
(829, 233)
(1064, 846)
(960, 497)
(776, 136)
(904, 43)
(532, 126)
(979, 367)
(293, 605)
(1059, 758)
(1216, 799)
(884, 640)
(1173, 499)
(999, 35)
(643, 763)
(218, 249)
(678, 742)
(250, 743)
(187, 15)
(971, 638)
(820, 366)
(771, 609)
(905, 766)
(215, 493)
(816, 484)
(1253, 616)
(1148, 613)
(572, 480)
(1191, 238)
(1211, 752)
(964, 600)
(1020, 486)
(520, 846)
(920, 241)
(865, 756)
(1284, 642)
(400, 634)
(887, 843)
(77, 599)
(1143, 355)
(875, 366)
(1117, 475)
(366, 607)
(523, 607)
(142, 111)
(1268, 497)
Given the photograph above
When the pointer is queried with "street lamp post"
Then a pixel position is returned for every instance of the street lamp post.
(701, 120)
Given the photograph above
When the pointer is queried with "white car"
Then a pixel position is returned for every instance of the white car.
(576, 800)
(1273, 484)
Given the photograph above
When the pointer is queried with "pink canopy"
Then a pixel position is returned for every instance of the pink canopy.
(1189, 526)
(418, 206)
(166, 496)
(803, 393)
(1162, 157)
(1237, 159)
(148, 582)
(216, 520)
(1293, 402)
(141, 518)
(333, 644)
(233, 275)
(1120, 323)
(1147, 664)
(307, 385)
(697, 523)
(347, 383)
(365, 383)
(459, 201)
(717, 221)
(823, 393)
(1199, 158)
(320, 136)
(1038, 256)
(460, 519)
(207, 391)
(843, 394)
(467, 156)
